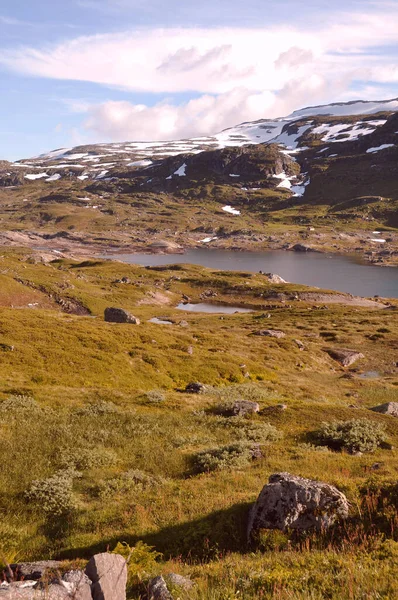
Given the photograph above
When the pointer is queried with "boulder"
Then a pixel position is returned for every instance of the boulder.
(157, 589)
(345, 357)
(78, 584)
(292, 502)
(108, 572)
(389, 408)
(119, 315)
(195, 388)
(240, 408)
(180, 581)
(275, 333)
(302, 248)
(274, 278)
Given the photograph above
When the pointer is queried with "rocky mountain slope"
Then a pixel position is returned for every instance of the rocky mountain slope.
(326, 167)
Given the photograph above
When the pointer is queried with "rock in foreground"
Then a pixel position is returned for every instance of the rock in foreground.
(119, 315)
(292, 502)
(108, 572)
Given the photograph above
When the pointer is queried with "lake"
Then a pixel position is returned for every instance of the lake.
(314, 269)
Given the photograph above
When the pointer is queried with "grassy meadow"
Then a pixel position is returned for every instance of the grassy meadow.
(99, 441)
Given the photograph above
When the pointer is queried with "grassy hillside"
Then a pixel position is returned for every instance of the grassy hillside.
(94, 412)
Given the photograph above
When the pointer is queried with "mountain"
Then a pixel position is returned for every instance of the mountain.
(305, 128)
(253, 185)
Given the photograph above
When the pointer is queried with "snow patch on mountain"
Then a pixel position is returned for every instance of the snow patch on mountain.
(378, 148)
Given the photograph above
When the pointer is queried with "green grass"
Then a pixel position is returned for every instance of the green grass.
(91, 413)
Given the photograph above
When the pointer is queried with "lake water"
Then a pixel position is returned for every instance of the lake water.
(313, 269)
(212, 308)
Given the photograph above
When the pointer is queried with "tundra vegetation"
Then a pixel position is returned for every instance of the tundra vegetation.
(102, 447)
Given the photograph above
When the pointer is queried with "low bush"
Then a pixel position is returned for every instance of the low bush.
(356, 435)
(253, 431)
(155, 396)
(54, 495)
(233, 456)
(142, 561)
(133, 480)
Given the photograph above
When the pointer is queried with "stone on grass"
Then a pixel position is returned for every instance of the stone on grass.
(274, 278)
(108, 572)
(240, 408)
(344, 356)
(389, 408)
(180, 581)
(195, 388)
(292, 502)
(275, 333)
(119, 315)
(157, 589)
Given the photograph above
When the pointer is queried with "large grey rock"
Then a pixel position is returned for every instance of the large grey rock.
(389, 408)
(119, 315)
(292, 502)
(108, 572)
(157, 589)
(345, 357)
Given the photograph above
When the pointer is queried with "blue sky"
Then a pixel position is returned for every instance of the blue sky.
(86, 71)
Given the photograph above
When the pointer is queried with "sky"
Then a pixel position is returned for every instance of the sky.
(87, 71)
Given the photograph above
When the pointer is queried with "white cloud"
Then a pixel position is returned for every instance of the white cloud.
(120, 121)
(239, 73)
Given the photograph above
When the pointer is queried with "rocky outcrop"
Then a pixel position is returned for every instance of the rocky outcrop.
(105, 578)
(345, 357)
(389, 408)
(34, 570)
(108, 572)
(119, 315)
(292, 502)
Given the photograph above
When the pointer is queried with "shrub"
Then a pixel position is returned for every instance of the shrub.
(82, 459)
(155, 396)
(127, 482)
(19, 403)
(234, 456)
(141, 561)
(253, 431)
(357, 435)
(54, 495)
(97, 409)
